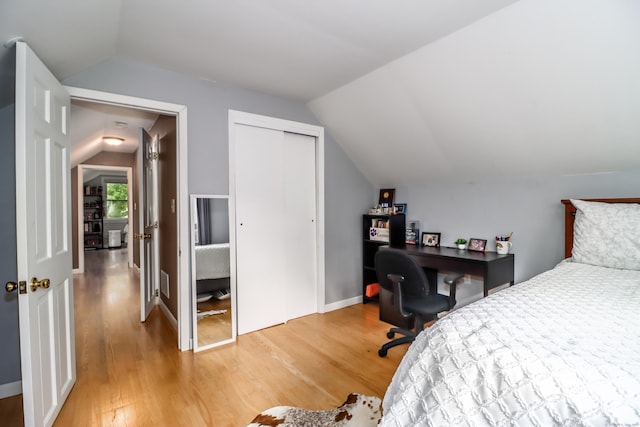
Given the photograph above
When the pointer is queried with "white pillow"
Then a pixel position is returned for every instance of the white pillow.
(607, 234)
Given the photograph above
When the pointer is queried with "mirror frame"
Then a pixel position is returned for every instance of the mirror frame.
(232, 279)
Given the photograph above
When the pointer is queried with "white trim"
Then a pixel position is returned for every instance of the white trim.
(180, 112)
(342, 304)
(239, 117)
(167, 313)
(10, 389)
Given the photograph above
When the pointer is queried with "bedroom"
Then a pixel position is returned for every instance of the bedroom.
(552, 81)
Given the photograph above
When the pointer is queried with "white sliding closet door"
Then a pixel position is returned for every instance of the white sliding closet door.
(259, 227)
(275, 226)
(300, 231)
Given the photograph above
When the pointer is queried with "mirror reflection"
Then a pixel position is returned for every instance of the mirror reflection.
(212, 299)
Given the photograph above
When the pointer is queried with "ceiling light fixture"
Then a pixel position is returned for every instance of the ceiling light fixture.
(112, 140)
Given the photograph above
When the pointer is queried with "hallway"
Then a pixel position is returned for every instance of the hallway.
(113, 348)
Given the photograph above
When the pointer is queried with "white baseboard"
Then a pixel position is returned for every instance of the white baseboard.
(342, 304)
(168, 314)
(10, 389)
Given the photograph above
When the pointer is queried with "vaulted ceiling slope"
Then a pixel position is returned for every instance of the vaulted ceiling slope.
(298, 49)
(414, 91)
(542, 87)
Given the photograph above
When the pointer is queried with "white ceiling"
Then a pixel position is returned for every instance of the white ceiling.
(297, 49)
(91, 122)
(414, 91)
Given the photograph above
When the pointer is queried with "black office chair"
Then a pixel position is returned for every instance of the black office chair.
(399, 273)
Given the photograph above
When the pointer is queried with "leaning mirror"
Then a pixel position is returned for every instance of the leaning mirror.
(213, 302)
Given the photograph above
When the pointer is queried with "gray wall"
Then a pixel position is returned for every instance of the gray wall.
(347, 192)
(9, 333)
(219, 220)
(528, 207)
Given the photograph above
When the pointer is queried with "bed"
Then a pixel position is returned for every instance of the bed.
(212, 267)
(562, 348)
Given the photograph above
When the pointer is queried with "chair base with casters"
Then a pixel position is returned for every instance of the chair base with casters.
(401, 274)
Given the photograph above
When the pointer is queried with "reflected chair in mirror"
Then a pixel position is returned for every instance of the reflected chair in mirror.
(400, 274)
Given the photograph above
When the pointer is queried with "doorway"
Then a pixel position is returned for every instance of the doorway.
(87, 175)
(181, 205)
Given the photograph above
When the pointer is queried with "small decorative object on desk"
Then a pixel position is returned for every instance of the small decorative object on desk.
(412, 234)
(461, 243)
(477, 245)
(503, 244)
(431, 239)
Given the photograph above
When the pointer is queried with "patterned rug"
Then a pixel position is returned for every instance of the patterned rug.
(357, 411)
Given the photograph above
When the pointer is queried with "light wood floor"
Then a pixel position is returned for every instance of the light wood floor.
(131, 373)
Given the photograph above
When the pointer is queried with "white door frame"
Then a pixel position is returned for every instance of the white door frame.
(180, 112)
(242, 118)
(80, 194)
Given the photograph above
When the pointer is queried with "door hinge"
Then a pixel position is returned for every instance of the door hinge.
(156, 225)
(157, 293)
(155, 155)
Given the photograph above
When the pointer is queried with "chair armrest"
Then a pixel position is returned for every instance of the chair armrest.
(397, 279)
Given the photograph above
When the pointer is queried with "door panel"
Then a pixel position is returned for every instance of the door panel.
(300, 210)
(43, 225)
(259, 227)
(148, 217)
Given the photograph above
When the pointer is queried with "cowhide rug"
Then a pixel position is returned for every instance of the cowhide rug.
(357, 411)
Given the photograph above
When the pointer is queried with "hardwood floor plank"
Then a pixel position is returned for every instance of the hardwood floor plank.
(131, 373)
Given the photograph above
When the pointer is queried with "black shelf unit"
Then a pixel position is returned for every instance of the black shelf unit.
(396, 229)
(93, 216)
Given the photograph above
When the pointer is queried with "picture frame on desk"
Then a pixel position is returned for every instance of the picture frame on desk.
(477, 245)
(430, 239)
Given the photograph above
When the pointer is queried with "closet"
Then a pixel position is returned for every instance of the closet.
(276, 225)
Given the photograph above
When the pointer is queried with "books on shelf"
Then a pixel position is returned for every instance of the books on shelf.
(379, 223)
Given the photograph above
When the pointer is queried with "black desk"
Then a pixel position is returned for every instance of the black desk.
(495, 270)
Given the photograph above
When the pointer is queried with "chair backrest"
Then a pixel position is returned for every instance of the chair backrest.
(393, 261)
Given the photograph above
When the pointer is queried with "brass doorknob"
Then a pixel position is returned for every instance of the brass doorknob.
(35, 283)
(11, 286)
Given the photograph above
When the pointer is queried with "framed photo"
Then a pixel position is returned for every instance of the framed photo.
(386, 197)
(478, 245)
(431, 239)
(401, 208)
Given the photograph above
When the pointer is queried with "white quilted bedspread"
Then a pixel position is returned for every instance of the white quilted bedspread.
(560, 349)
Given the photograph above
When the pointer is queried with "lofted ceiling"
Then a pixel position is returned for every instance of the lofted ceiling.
(297, 49)
(91, 122)
(414, 91)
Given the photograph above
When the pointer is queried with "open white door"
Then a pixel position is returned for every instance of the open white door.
(149, 250)
(43, 226)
